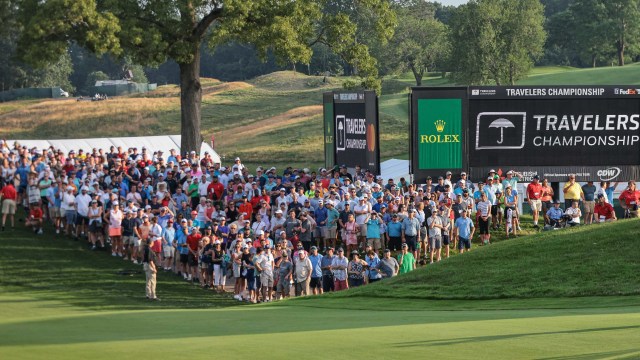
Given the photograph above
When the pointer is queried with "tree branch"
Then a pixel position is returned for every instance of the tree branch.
(206, 21)
(318, 39)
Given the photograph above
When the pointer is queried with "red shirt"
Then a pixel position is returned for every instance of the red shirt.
(630, 197)
(9, 192)
(192, 241)
(215, 188)
(246, 208)
(604, 209)
(534, 191)
(36, 213)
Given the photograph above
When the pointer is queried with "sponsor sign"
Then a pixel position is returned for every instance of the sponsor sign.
(560, 174)
(555, 126)
(353, 130)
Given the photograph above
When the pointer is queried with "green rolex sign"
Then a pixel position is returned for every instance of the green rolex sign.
(439, 134)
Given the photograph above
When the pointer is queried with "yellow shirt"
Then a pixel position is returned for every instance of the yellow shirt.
(573, 191)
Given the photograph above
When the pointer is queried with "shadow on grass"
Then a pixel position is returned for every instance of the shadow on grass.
(467, 340)
(56, 268)
(621, 354)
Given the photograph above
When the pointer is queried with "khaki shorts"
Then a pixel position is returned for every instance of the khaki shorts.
(9, 207)
(536, 205)
(266, 280)
(127, 240)
(168, 251)
(589, 206)
(54, 212)
(363, 230)
(331, 233)
(374, 243)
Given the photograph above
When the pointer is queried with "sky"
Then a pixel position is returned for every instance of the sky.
(452, 2)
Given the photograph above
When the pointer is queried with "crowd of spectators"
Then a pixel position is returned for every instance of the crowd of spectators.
(273, 230)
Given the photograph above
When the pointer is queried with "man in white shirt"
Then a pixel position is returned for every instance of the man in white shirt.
(362, 212)
(575, 214)
(82, 208)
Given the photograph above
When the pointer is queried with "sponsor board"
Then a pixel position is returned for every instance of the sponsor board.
(560, 174)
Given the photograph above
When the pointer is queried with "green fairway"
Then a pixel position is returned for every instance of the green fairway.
(571, 294)
(54, 331)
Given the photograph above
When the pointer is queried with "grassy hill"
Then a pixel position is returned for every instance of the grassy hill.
(274, 119)
(584, 261)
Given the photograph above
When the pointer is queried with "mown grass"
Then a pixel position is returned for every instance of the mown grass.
(597, 260)
(56, 268)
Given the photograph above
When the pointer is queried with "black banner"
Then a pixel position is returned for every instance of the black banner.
(356, 130)
(532, 126)
(561, 173)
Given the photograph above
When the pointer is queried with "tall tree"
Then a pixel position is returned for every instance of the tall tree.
(496, 40)
(153, 31)
(623, 25)
(419, 44)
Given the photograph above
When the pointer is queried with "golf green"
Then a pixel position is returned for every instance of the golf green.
(36, 329)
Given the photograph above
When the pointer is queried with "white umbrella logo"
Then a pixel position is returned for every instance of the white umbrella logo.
(501, 123)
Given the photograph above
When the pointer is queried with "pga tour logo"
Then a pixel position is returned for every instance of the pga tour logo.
(608, 174)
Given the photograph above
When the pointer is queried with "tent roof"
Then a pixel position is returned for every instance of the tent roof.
(395, 169)
(153, 143)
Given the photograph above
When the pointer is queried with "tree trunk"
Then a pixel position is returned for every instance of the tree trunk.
(620, 47)
(190, 103)
(417, 75)
(593, 60)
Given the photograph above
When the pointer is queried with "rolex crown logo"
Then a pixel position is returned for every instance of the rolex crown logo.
(440, 125)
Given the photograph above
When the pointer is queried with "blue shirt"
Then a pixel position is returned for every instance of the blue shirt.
(411, 227)
(554, 213)
(169, 234)
(373, 263)
(464, 226)
(395, 229)
(23, 171)
(373, 229)
(181, 238)
(316, 261)
(321, 215)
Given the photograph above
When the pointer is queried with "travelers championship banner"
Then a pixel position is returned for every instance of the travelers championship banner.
(552, 131)
(354, 127)
(438, 121)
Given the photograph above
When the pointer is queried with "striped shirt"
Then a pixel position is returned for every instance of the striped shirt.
(483, 208)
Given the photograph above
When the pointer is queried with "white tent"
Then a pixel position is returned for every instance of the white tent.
(153, 143)
(395, 169)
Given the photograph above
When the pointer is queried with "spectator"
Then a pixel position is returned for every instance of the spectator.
(589, 191)
(303, 272)
(388, 267)
(355, 270)
(406, 260)
(572, 192)
(285, 270)
(35, 219)
(574, 214)
(339, 268)
(434, 222)
(554, 215)
(629, 199)
(9, 197)
(464, 230)
(604, 211)
(316, 274)
(411, 231)
(534, 196)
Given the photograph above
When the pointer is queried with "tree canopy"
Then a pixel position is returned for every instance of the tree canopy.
(150, 32)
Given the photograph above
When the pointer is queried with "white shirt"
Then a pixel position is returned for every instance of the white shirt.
(361, 219)
(82, 201)
(573, 211)
(68, 201)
